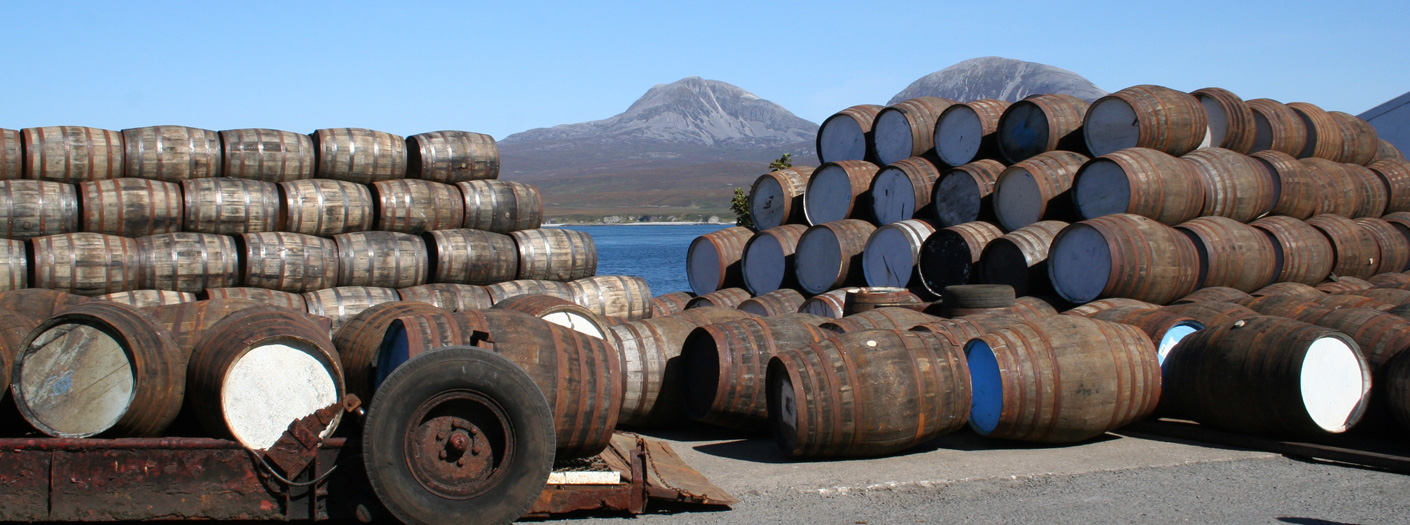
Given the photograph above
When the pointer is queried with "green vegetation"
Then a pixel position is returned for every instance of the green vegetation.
(740, 203)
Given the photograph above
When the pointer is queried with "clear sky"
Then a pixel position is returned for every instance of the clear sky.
(502, 67)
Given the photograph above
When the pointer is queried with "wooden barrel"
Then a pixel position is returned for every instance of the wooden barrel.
(269, 155)
(847, 134)
(187, 321)
(381, 258)
(1299, 189)
(903, 189)
(1396, 388)
(829, 255)
(359, 342)
(500, 205)
(288, 300)
(1342, 193)
(85, 263)
(831, 305)
(99, 369)
(148, 298)
(245, 368)
(1041, 123)
(886, 318)
(1359, 138)
(171, 153)
(1061, 379)
(1216, 293)
(452, 156)
(231, 206)
(1231, 253)
(713, 260)
(187, 262)
(1277, 127)
(907, 128)
(968, 132)
(450, 296)
(561, 312)
(1029, 307)
(14, 267)
(617, 296)
(1303, 254)
(1396, 175)
(1284, 305)
(1211, 313)
(1346, 301)
(1390, 280)
(1037, 189)
(1294, 378)
(342, 303)
(950, 255)
(555, 254)
(72, 153)
(1375, 189)
(130, 207)
(1231, 124)
(289, 262)
(1387, 151)
(766, 264)
(504, 290)
(1146, 116)
(1380, 335)
(1354, 250)
(778, 302)
(867, 298)
(652, 371)
(891, 252)
(1290, 289)
(723, 298)
(1343, 284)
(839, 190)
(1394, 247)
(1091, 308)
(1122, 256)
(11, 154)
(1165, 328)
(960, 330)
(39, 303)
(1235, 185)
(836, 398)
(415, 206)
(326, 207)
(35, 208)
(670, 303)
(965, 193)
(14, 327)
(1323, 132)
(726, 365)
(776, 198)
(1019, 258)
(358, 155)
(466, 256)
(1142, 181)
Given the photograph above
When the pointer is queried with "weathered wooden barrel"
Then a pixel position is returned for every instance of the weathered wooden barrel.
(891, 252)
(1400, 220)
(903, 190)
(1146, 116)
(1303, 254)
(907, 128)
(965, 193)
(288, 300)
(1215, 293)
(886, 318)
(561, 312)
(35, 208)
(1041, 123)
(269, 155)
(960, 330)
(39, 303)
(778, 302)
(831, 304)
(839, 190)
(188, 320)
(1396, 175)
(1390, 280)
(1235, 185)
(258, 370)
(1354, 250)
(652, 371)
(713, 260)
(14, 267)
(1277, 127)
(766, 264)
(977, 299)
(84, 263)
(187, 262)
(1288, 306)
(555, 254)
(776, 198)
(616, 296)
(1375, 189)
(231, 206)
(1091, 308)
(829, 255)
(1395, 388)
(360, 339)
(1294, 378)
(358, 155)
(452, 156)
(14, 327)
(1231, 253)
(1299, 189)
(342, 303)
(1061, 379)
(1359, 138)
(836, 398)
(504, 290)
(288, 262)
(11, 154)
(669, 303)
(1380, 335)
(1211, 313)
(1394, 247)
(1387, 151)
(1341, 193)
(467, 256)
(1019, 258)
(130, 207)
(99, 369)
(1031, 307)
(415, 206)
(72, 153)
(1165, 328)
(171, 153)
(327, 207)
(1231, 124)
(1142, 181)
(450, 296)
(867, 298)
(949, 256)
(148, 298)
(1323, 132)
(726, 365)
(1291, 289)
(1037, 188)
(1122, 255)
(724, 298)
(968, 132)
(1346, 300)
(847, 134)
(1344, 284)
(500, 206)
(381, 258)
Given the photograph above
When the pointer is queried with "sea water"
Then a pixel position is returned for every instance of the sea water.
(653, 252)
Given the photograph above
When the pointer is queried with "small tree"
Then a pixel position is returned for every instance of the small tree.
(786, 161)
(740, 206)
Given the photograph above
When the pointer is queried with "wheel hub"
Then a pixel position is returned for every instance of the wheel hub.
(456, 444)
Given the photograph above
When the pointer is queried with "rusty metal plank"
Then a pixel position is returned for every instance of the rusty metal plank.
(668, 477)
(24, 474)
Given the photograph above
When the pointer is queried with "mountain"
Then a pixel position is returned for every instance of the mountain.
(999, 78)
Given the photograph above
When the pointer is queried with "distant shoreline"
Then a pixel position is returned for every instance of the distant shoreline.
(671, 223)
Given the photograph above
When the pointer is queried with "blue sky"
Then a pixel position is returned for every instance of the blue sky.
(502, 67)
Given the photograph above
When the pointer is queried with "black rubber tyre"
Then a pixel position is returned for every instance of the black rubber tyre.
(458, 435)
(977, 296)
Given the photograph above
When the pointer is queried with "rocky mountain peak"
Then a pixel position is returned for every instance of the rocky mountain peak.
(999, 78)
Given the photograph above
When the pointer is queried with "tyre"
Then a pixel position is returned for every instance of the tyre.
(458, 435)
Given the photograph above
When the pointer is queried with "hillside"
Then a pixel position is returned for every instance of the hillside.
(999, 78)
